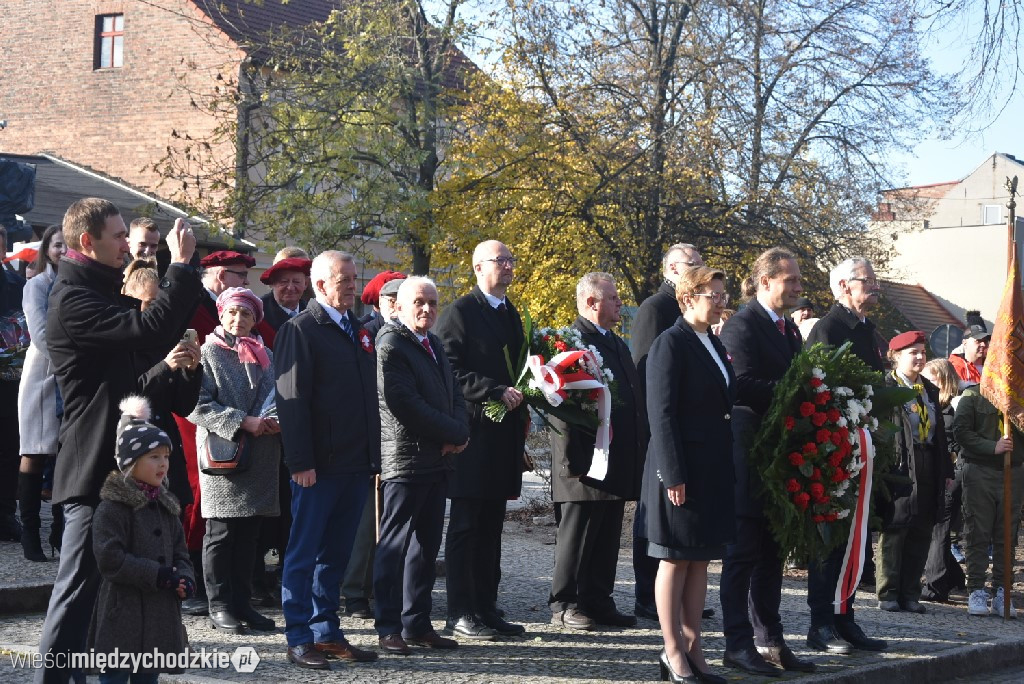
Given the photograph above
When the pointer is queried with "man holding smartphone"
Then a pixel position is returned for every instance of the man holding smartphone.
(92, 338)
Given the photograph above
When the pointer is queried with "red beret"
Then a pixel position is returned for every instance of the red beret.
(226, 257)
(904, 340)
(289, 264)
(371, 293)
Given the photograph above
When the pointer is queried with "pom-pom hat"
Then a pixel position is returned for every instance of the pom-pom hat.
(136, 436)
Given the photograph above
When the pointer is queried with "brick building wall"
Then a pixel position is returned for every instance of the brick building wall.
(117, 121)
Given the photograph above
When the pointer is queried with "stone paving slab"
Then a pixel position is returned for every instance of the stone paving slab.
(943, 644)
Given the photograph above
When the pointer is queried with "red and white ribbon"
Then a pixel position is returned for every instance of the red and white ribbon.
(555, 379)
(853, 559)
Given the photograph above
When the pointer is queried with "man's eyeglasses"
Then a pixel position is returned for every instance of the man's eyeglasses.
(503, 261)
(241, 274)
(716, 297)
(870, 282)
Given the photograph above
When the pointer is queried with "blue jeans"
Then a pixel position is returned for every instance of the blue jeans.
(324, 521)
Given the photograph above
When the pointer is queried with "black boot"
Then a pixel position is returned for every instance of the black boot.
(29, 501)
(56, 528)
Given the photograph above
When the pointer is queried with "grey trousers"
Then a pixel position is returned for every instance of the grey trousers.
(358, 582)
(983, 520)
(74, 593)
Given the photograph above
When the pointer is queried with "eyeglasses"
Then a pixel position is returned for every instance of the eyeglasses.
(240, 274)
(716, 297)
(503, 261)
(870, 282)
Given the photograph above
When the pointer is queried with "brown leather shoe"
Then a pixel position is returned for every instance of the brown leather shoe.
(342, 650)
(394, 643)
(783, 656)
(304, 655)
(433, 640)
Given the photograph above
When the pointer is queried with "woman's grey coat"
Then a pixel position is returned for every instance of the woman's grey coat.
(224, 400)
(132, 538)
(37, 393)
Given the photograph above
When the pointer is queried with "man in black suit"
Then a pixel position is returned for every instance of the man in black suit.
(762, 343)
(656, 314)
(590, 511)
(287, 279)
(477, 330)
(330, 426)
(855, 288)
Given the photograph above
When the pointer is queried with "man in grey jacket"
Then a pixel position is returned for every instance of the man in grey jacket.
(423, 421)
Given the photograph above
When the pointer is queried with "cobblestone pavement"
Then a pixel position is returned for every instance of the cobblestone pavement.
(942, 644)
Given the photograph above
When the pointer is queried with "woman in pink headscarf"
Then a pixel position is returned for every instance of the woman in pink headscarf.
(236, 400)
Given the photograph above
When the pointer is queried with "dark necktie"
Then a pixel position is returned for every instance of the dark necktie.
(501, 308)
(781, 325)
(347, 327)
(426, 345)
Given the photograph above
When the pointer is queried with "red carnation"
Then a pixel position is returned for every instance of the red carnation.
(823, 398)
(816, 474)
(833, 415)
(801, 500)
(817, 491)
(835, 458)
(796, 460)
(836, 439)
(831, 517)
(561, 346)
(822, 436)
(818, 518)
(790, 422)
(546, 338)
(845, 432)
(816, 382)
(792, 486)
(806, 409)
(839, 475)
(810, 448)
(818, 419)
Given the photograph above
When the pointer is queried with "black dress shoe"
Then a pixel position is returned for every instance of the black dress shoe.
(783, 656)
(260, 623)
(470, 627)
(499, 625)
(226, 622)
(824, 638)
(749, 660)
(304, 655)
(648, 611)
(359, 609)
(394, 643)
(195, 606)
(855, 636)
(615, 619)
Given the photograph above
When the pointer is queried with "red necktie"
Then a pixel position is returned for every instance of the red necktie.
(426, 345)
(781, 325)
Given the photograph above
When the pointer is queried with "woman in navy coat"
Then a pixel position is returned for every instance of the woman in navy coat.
(689, 475)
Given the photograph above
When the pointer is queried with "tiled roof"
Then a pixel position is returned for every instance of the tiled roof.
(919, 306)
(247, 22)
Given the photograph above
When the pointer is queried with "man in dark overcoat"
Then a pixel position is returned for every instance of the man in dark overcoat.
(656, 314)
(330, 427)
(477, 330)
(92, 334)
(855, 288)
(590, 511)
(762, 343)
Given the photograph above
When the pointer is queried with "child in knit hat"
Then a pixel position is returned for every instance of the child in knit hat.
(140, 550)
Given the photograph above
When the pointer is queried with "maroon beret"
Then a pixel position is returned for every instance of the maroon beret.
(289, 264)
(371, 293)
(904, 340)
(226, 257)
